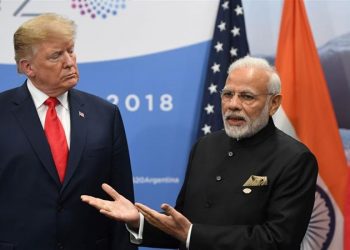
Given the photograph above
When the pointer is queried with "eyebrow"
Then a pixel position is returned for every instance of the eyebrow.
(240, 91)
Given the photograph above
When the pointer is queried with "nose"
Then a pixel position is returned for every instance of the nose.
(69, 59)
(235, 102)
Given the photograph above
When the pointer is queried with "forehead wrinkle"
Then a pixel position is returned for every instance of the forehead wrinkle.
(248, 79)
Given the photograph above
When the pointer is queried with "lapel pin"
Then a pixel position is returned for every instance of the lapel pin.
(81, 114)
(247, 190)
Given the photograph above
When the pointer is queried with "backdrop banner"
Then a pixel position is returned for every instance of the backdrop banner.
(150, 58)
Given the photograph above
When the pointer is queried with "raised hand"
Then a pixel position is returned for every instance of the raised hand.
(120, 208)
(172, 222)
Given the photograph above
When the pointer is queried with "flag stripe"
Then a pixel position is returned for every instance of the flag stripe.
(312, 114)
(307, 104)
(229, 43)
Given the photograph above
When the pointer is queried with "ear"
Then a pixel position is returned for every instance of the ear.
(275, 103)
(25, 67)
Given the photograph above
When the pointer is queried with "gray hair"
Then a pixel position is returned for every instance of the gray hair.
(274, 84)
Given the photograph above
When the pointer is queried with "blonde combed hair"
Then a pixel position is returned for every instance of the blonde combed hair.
(39, 29)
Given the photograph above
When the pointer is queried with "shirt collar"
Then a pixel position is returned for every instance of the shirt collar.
(40, 97)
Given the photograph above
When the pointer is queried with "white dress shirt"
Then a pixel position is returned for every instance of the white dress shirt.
(62, 108)
(136, 237)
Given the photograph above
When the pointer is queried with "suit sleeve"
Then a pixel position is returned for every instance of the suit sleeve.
(121, 179)
(287, 215)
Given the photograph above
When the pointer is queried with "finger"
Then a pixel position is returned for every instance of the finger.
(169, 210)
(146, 211)
(85, 198)
(88, 198)
(95, 202)
(142, 207)
(110, 191)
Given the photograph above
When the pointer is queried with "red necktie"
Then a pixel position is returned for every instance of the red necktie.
(56, 137)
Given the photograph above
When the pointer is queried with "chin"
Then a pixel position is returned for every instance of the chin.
(237, 132)
(72, 82)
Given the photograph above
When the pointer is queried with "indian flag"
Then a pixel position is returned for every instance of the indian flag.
(307, 114)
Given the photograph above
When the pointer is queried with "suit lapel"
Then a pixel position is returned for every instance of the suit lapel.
(27, 115)
(79, 122)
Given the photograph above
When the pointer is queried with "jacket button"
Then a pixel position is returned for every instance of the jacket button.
(218, 178)
(230, 154)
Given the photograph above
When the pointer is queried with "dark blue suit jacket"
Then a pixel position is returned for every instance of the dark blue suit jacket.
(37, 212)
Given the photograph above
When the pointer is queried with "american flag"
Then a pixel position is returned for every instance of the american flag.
(229, 43)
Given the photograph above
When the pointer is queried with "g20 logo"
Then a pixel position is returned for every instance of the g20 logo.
(90, 8)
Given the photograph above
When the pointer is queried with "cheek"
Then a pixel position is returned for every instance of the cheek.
(224, 107)
(254, 112)
(52, 69)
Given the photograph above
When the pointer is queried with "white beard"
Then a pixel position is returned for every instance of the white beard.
(250, 128)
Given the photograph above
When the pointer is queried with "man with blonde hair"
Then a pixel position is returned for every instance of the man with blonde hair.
(56, 144)
(249, 186)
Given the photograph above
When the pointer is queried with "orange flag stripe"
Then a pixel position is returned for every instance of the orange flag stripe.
(306, 99)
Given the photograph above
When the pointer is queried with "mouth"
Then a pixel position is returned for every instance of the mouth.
(70, 76)
(235, 120)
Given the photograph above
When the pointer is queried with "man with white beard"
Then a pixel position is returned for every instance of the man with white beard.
(248, 187)
(255, 102)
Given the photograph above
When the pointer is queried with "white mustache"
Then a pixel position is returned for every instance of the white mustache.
(233, 115)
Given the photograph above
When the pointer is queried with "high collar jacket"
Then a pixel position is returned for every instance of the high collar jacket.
(229, 210)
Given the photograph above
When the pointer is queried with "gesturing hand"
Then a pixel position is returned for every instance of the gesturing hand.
(172, 222)
(120, 208)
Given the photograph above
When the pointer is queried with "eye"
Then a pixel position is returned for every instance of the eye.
(55, 56)
(246, 96)
(71, 51)
(227, 94)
